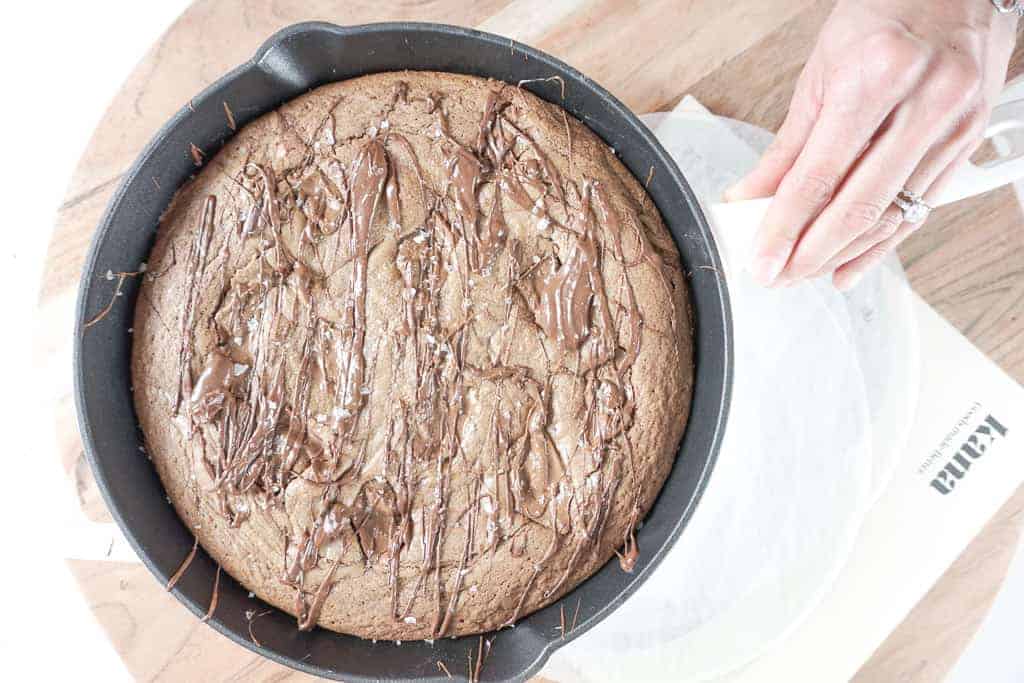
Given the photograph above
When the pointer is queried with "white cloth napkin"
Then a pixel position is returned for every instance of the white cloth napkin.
(797, 468)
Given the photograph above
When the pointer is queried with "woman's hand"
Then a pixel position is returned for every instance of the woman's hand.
(895, 95)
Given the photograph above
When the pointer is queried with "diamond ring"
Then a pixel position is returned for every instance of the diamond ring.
(1009, 7)
(912, 205)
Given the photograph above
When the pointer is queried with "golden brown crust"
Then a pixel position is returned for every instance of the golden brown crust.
(513, 353)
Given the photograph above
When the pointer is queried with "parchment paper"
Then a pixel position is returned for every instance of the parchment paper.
(798, 467)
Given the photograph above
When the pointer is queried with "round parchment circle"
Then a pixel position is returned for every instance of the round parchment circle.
(878, 315)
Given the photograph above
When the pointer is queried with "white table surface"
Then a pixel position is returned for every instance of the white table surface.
(993, 655)
(81, 52)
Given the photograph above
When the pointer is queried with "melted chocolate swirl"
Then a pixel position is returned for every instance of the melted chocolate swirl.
(425, 441)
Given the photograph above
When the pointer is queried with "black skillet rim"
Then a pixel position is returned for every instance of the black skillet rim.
(627, 118)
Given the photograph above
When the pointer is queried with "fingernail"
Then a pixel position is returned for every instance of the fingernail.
(766, 268)
(848, 282)
(734, 191)
(783, 283)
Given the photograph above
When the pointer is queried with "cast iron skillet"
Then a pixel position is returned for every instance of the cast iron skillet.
(293, 61)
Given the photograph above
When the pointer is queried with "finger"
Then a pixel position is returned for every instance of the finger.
(887, 226)
(926, 181)
(854, 109)
(808, 187)
(764, 179)
(848, 274)
(889, 166)
(975, 138)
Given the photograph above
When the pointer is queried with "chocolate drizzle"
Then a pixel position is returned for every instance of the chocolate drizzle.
(568, 292)
(417, 445)
(196, 265)
(369, 175)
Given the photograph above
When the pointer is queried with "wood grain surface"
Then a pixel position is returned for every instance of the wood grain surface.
(739, 58)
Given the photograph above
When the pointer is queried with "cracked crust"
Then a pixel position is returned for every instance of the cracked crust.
(660, 378)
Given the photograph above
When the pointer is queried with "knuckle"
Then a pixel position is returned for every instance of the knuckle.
(847, 80)
(815, 188)
(958, 79)
(861, 216)
(887, 225)
(976, 121)
(892, 54)
(876, 253)
(779, 148)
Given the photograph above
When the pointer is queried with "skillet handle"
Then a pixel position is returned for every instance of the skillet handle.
(299, 56)
(1006, 133)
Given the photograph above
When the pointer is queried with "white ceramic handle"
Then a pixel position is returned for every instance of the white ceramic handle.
(1006, 130)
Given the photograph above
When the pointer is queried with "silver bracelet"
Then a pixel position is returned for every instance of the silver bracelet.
(1009, 7)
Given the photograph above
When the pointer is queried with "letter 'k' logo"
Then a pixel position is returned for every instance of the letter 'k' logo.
(972, 449)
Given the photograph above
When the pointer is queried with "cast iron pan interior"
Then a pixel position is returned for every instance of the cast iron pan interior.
(293, 61)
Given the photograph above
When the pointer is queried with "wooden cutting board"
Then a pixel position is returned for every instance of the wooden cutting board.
(740, 58)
